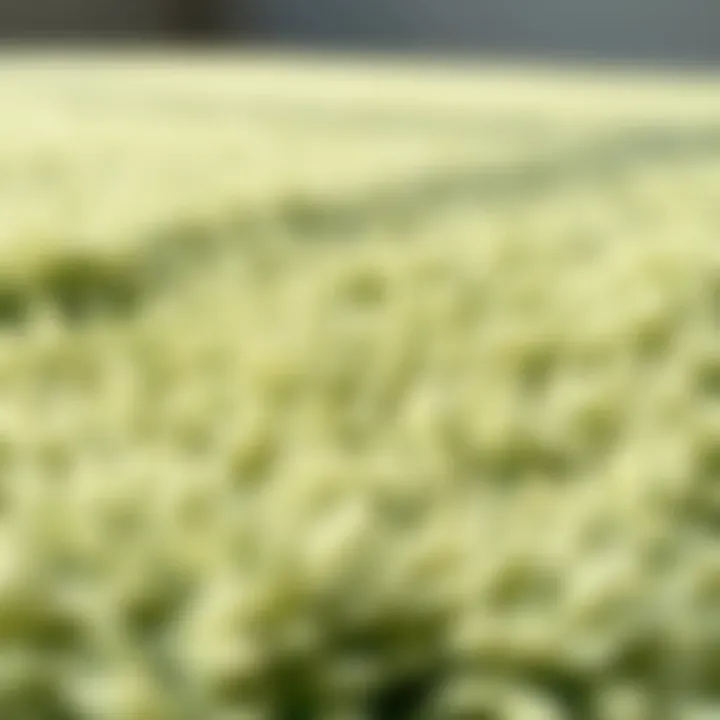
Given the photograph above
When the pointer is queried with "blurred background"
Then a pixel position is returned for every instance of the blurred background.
(362, 390)
(655, 31)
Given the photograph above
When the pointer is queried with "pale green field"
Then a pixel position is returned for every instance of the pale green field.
(350, 390)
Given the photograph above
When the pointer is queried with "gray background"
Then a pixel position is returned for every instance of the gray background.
(662, 30)
(634, 29)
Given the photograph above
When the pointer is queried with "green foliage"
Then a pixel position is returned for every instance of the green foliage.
(302, 417)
